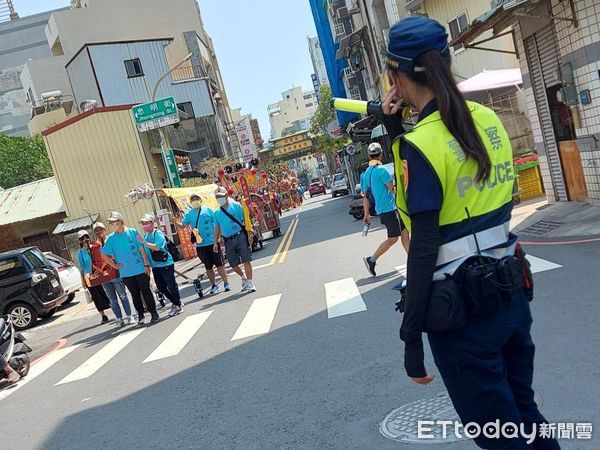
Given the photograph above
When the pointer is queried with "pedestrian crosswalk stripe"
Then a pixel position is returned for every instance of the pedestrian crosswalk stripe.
(259, 317)
(101, 357)
(541, 265)
(38, 368)
(343, 297)
(179, 338)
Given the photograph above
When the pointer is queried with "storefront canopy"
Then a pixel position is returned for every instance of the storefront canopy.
(504, 13)
(70, 226)
(492, 79)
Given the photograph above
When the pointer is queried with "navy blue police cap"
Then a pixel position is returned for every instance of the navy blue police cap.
(410, 38)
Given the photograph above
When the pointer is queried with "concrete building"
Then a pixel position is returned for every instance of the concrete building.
(559, 55)
(318, 63)
(21, 40)
(296, 105)
(135, 20)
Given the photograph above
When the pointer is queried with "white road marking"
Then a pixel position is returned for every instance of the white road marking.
(259, 317)
(179, 338)
(401, 269)
(101, 357)
(343, 298)
(541, 265)
(38, 368)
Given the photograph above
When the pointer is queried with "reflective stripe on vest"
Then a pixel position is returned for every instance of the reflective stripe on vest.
(457, 176)
(449, 269)
(466, 246)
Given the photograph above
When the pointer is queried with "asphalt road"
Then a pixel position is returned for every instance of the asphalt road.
(271, 369)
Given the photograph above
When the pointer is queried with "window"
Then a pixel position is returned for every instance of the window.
(457, 26)
(309, 105)
(187, 108)
(36, 259)
(153, 138)
(11, 267)
(307, 96)
(134, 68)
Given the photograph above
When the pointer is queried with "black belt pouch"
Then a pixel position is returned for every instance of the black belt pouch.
(445, 309)
(479, 285)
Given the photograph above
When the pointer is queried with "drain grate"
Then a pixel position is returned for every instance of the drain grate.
(541, 228)
(402, 423)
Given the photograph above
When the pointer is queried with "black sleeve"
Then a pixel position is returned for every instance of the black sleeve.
(393, 125)
(422, 259)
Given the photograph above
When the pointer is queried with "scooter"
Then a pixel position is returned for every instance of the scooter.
(13, 349)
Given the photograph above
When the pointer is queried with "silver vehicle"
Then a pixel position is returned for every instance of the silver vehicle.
(68, 274)
(339, 185)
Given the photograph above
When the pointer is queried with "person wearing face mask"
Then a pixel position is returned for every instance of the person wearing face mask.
(115, 288)
(230, 223)
(124, 252)
(84, 260)
(468, 285)
(163, 266)
(202, 224)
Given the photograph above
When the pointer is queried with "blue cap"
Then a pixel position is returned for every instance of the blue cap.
(410, 38)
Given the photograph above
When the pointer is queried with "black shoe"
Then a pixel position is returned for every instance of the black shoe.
(370, 265)
(104, 320)
(141, 320)
(155, 318)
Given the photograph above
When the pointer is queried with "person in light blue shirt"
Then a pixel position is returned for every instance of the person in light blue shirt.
(230, 223)
(200, 219)
(132, 262)
(163, 266)
(377, 185)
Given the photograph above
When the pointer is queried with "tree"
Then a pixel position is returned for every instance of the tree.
(324, 115)
(23, 160)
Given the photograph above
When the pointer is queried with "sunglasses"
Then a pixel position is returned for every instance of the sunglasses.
(83, 238)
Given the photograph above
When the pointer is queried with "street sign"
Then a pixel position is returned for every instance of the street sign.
(351, 149)
(159, 113)
(171, 168)
(243, 134)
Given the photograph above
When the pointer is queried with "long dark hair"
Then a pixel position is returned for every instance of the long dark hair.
(453, 108)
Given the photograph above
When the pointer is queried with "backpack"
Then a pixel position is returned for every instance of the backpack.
(172, 249)
(369, 194)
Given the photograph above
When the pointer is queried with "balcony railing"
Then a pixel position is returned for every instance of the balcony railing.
(187, 73)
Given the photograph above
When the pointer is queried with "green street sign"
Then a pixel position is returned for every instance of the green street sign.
(171, 168)
(159, 113)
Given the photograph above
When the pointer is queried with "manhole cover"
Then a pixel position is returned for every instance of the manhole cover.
(402, 423)
(541, 228)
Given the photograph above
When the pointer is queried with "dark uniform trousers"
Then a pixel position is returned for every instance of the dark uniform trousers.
(487, 368)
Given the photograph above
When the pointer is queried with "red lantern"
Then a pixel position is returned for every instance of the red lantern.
(253, 171)
(230, 192)
(221, 172)
(265, 175)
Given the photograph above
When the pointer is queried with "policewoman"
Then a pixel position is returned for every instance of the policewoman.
(455, 177)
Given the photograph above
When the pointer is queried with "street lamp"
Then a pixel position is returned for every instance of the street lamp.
(164, 75)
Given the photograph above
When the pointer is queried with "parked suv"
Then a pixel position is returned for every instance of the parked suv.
(29, 287)
(339, 185)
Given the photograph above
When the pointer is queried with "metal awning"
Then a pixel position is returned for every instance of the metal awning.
(502, 16)
(348, 42)
(71, 226)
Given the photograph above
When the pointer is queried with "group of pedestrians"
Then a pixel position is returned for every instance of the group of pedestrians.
(133, 258)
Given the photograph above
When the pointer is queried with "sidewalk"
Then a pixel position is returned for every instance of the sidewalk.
(556, 220)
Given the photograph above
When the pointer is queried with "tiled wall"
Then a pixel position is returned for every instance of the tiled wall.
(581, 47)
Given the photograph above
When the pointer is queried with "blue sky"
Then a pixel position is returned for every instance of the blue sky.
(261, 46)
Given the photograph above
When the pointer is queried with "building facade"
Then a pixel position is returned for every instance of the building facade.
(21, 40)
(296, 105)
(318, 63)
(559, 54)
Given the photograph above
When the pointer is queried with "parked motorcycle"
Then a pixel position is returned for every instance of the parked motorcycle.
(13, 349)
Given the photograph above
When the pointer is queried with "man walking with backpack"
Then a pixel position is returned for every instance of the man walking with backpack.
(377, 186)
(230, 223)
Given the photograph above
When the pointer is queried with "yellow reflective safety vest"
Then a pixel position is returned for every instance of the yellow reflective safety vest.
(489, 203)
